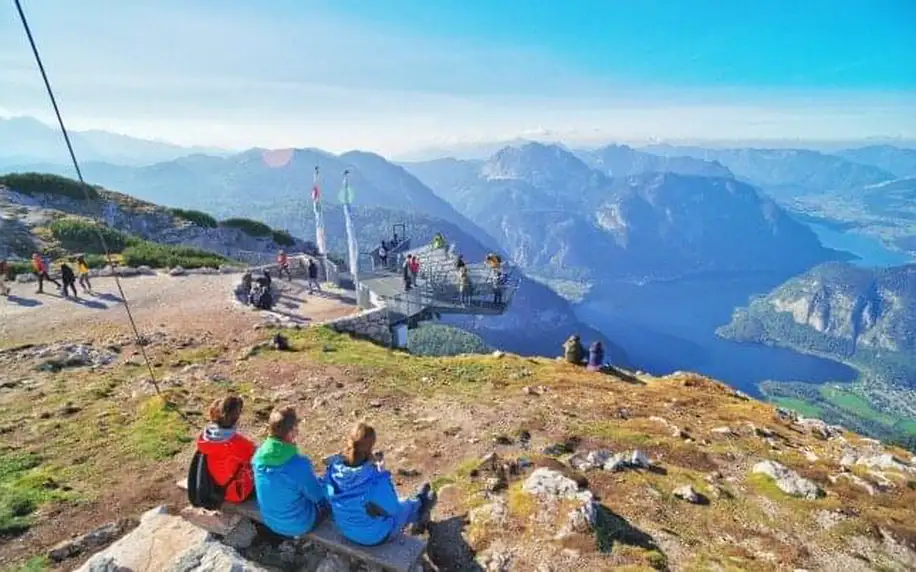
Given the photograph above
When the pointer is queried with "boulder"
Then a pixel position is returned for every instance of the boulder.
(586, 461)
(213, 555)
(158, 542)
(689, 494)
(789, 481)
(177, 271)
(548, 483)
(819, 428)
(91, 541)
(885, 461)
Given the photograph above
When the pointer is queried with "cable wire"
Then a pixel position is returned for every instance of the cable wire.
(141, 341)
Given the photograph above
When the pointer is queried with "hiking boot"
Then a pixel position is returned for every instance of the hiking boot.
(427, 498)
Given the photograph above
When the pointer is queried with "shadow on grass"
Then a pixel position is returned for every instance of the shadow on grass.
(447, 548)
(612, 528)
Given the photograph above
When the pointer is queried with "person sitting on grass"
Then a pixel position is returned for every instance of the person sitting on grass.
(595, 356)
(228, 451)
(573, 350)
(289, 494)
(364, 502)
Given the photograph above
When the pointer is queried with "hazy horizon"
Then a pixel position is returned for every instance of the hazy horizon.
(409, 76)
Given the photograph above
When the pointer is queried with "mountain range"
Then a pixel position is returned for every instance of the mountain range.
(649, 219)
(27, 140)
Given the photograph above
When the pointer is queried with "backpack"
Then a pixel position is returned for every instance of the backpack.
(203, 491)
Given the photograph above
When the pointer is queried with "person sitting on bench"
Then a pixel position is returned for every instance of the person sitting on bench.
(364, 502)
(228, 451)
(289, 494)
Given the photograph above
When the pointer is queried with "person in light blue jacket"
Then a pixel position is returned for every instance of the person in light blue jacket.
(364, 503)
(288, 492)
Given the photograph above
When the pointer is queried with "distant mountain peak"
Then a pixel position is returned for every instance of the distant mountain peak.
(539, 164)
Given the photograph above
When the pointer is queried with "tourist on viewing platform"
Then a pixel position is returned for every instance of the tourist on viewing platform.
(283, 263)
(406, 274)
(82, 268)
(460, 263)
(383, 254)
(290, 496)
(414, 268)
(40, 268)
(4, 271)
(595, 356)
(228, 452)
(364, 503)
(464, 285)
(439, 241)
(573, 351)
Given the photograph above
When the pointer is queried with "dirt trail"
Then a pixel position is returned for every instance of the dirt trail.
(187, 304)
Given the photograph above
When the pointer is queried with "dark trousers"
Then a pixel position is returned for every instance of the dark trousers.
(71, 284)
(283, 269)
(42, 276)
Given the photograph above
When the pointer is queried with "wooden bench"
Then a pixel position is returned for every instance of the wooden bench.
(401, 554)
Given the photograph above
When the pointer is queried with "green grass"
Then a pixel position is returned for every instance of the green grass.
(283, 238)
(159, 432)
(25, 484)
(802, 407)
(35, 564)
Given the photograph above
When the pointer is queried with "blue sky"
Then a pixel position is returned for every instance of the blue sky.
(403, 74)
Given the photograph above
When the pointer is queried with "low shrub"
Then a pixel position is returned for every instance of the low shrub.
(283, 238)
(197, 217)
(42, 183)
(156, 255)
(78, 235)
(248, 226)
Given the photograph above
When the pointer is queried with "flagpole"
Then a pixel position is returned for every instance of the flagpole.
(346, 200)
(320, 236)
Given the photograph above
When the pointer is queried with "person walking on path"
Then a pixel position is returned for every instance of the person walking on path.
(40, 268)
(383, 254)
(312, 269)
(69, 279)
(283, 263)
(4, 270)
(82, 268)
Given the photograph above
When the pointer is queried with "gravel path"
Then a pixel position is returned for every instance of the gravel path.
(187, 304)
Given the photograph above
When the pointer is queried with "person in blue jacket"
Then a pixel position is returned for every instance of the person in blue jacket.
(364, 502)
(288, 492)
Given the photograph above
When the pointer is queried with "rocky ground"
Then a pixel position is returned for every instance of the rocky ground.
(539, 465)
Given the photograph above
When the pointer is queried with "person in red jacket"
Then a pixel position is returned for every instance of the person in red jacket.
(228, 451)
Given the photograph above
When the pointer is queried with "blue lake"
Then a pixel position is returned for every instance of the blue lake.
(871, 251)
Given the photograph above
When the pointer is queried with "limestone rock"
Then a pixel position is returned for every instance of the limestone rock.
(212, 555)
(177, 271)
(885, 461)
(333, 563)
(548, 483)
(90, 542)
(689, 494)
(156, 544)
(586, 461)
(789, 481)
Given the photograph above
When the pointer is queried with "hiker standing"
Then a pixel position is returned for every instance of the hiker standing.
(312, 270)
(4, 269)
(405, 272)
(383, 254)
(283, 262)
(40, 268)
(573, 351)
(464, 285)
(414, 268)
(595, 356)
(82, 268)
(69, 279)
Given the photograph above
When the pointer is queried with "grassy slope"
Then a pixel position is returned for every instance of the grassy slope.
(77, 439)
